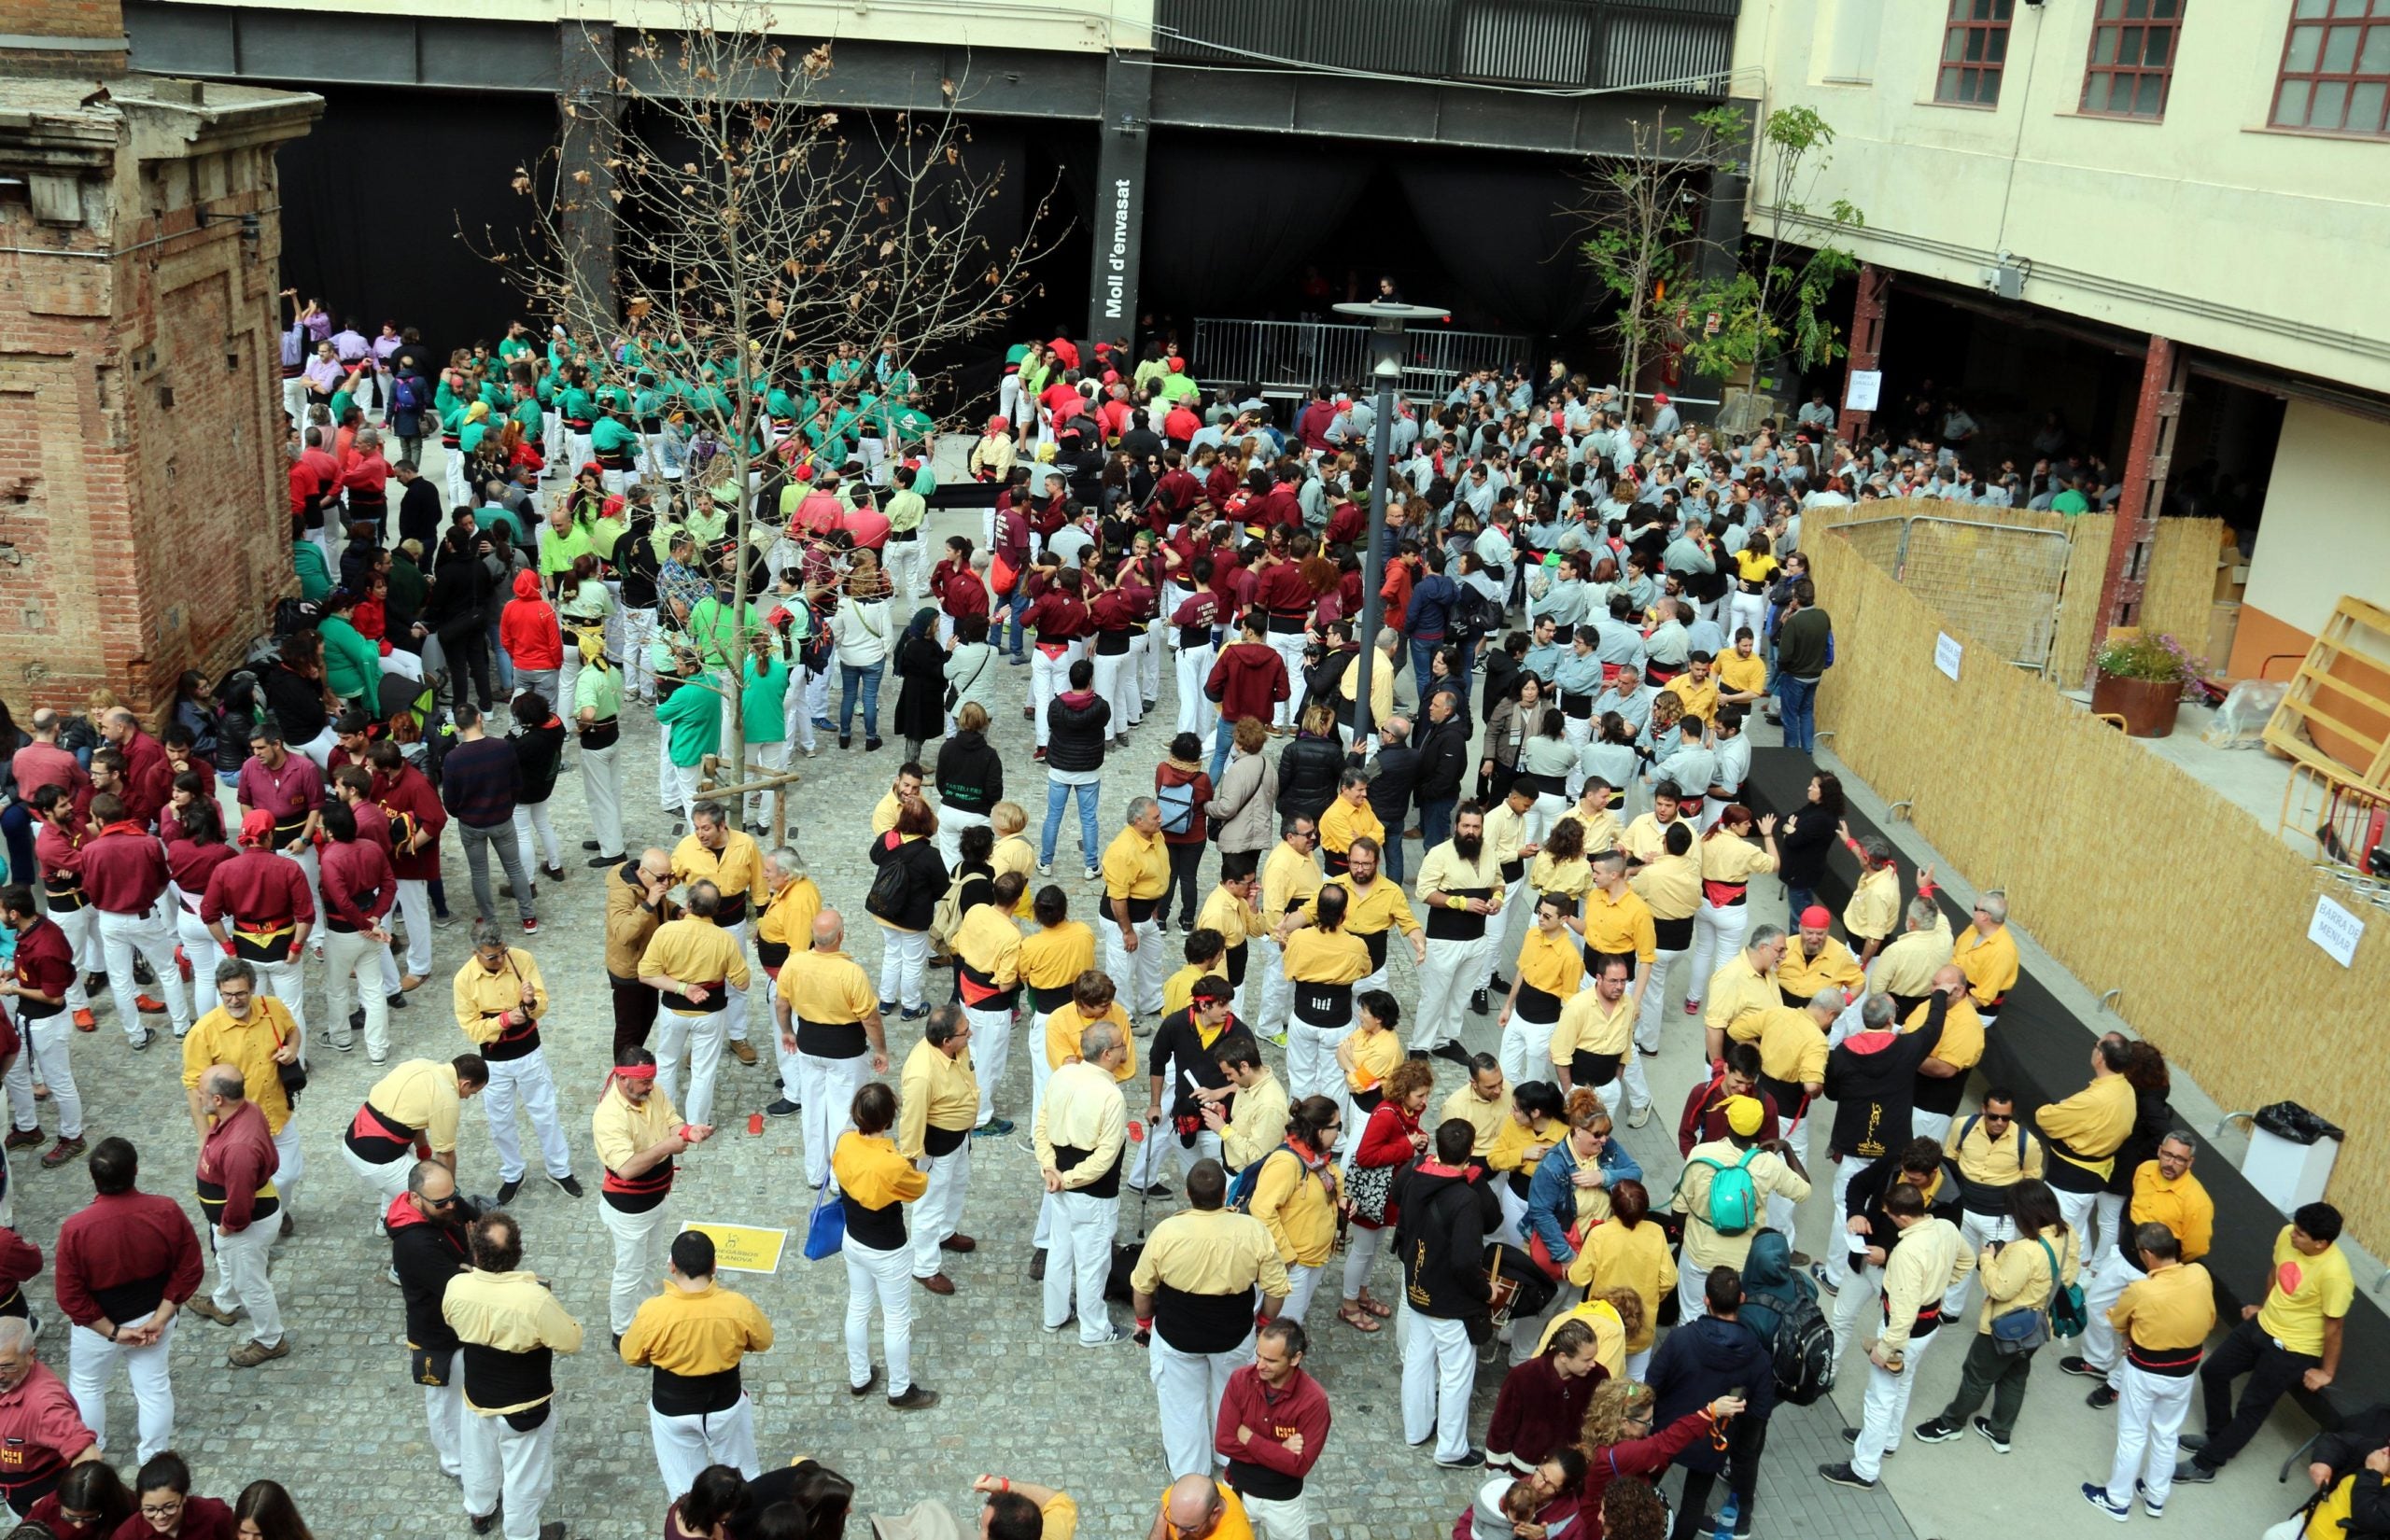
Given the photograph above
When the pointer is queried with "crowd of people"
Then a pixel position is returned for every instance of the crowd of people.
(1536, 795)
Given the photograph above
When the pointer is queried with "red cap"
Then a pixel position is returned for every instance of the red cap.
(1815, 917)
(257, 826)
(1659, 398)
(1178, 366)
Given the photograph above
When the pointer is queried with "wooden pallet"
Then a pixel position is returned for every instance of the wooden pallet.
(2336, 714)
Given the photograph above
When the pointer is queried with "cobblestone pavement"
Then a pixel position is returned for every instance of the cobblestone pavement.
(338, 1422)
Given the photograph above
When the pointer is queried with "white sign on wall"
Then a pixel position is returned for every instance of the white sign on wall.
(1867, 386)
(2336, 931)
(1946, 652)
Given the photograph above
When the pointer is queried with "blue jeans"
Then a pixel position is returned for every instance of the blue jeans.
(1057, 796)
(1422, 655)
(1436, 821)
(1012, 629)
(868, 676)
(499, 661)
(1796, 899)
(1800, 698)
(1223, 739)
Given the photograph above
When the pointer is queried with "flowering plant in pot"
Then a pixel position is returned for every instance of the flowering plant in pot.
(2140, 678)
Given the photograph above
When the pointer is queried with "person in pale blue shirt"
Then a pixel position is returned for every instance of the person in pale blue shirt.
(1630, 699)
(1706, 637)
(1544, 650)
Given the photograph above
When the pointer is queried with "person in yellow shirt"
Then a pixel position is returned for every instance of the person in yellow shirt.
(938, 1100)
(1874, 911)
(1367, 1058)
(905, 789)
(831, 1037)
(1196, 1508)
(987, 979)
(1669, 884)
(1324, 960)
(2021, 1273)
(1289, 880)
(1813, 959)
(1377, 908)
(1744, 984)
(1483, 1104)
(1772, 1172)
(1461, 886)
(1092, 1003)
(510, 1326)
(2167, 1316)
(2164, 1192)
(1137, 875)
(1617, 923)
(1905, 966)
(2292, 1339)
(1228, 910)
(1560, 867)
(1696, 687)
(1986, 953)
(2085, 1131)
(411, 1112)
(1646, 838)
(1536, 1124)
(1993, 1153)
(256, 1035)
(1508, 844)
(1206, 957)
(1348, 816)
(1295, 1197)
(1052, 957)
(1630, 1252)
(1742, 673)
(498, 998)
(1593, 1043)
(717, 852)
(1013, 851)
(1080, 1134)
(692, 1336)
(1206, 1276)
(1550, 970)
(875, 1182)
(694, 965)
(786, 923)
(1023, 1510)
(1729, 860)
(638, 1136)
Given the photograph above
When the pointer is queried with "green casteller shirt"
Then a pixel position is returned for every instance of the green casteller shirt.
(612, 436)
(600, 690)
(2069, 503)
(713, 627)
(762, 701)
(340, 403)
(546, 387)
(693, 717)
(528, 416)
(512, 348)
(307, 560)
(579, 406)
(1178, 387)
(352, 664)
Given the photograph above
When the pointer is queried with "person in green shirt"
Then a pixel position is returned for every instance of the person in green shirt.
(2070, 501)
(563, 541)
(714, 629)
(596, 709)
(763, 712)
(614, 442)
(352, 664)
(579, 409)
(691, 718)
(1177, 386)
(517, 343)
(314, 580)
(904, 512)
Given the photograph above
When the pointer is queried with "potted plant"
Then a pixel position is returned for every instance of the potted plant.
(2139, 678)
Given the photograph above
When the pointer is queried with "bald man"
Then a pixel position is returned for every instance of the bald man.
(639, 902)
(1196, 1508)
(1941, 1078)
(831, 1038)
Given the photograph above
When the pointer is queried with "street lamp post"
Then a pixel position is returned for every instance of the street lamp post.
(1387, 322)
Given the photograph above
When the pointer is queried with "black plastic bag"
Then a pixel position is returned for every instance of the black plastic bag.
(2289, 1120)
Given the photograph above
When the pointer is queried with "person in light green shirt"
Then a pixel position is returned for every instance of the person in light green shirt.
(904, 512)
(763, 711)
(307, 560)
(714, 629)
(1178, 387)
(691, 718)
(352, 664)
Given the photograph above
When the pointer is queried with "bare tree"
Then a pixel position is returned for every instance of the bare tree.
(756, 227)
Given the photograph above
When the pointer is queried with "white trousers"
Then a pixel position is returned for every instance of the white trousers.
(1150, 646)
(241, 1278)
(1885, 1409)
(952, 821)
(1451, 970)
(414, 907)
(642, 1248)
(1115, 682)
(1188, 1387)
(531, 817)
(1146, 1166)
(1049, 675)
(1196, 712)
(92, 1363)
(2074, 1208)
(2110, 1209)
(1289, 645)
(904, 957)
(1837, 1266)
(1974, 1231)
(524, 1082)
(49, 1038)
(886, 1277)
(2103, 1284)
(153, 937)
(1716, 935)
(685, 1446)
(1311, 1059)
(700, 1034)
(292, 1161)
(503, 1465)
(1526, 1050)
(352, 971)
(444, 1418)
(1651, 1020)
(1265, 961)
(201, 949)
(826, 1088)
(1439, 1372)
(1361, 1247)
(990, 1053)
(1302, 1282)
(2150, 1408)
(82, 930)
(1137, 974)
(1925, 1125)
(1279, 1519)
(286, 982)
(939, 1212)
(1861, 1293)
(755, 804)
(383, 1183)
(1078, 1261)
(601, 785)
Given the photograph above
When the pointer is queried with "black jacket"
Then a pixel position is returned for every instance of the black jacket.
(1441, 1237)
(1177, 1051)
(1077, 728)
(925, 880)
(1701, 1361)
(970, 775)
(1864, 1198)
(1443, 759)
(426, 1255)
(539, 750)
(1308, 771)
(1391, 787)
(1805, 840)
(459, 583)
(1871, 1079)
(2153, 1115)
(296, 704)
(921, 704)
(1502, 673)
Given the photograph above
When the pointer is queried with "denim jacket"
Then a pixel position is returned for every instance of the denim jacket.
(1551, 1196)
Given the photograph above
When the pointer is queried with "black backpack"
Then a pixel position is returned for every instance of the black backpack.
(1474, 614)
(1803, 1348)
(890, 887)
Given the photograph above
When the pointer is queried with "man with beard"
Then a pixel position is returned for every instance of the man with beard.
(426, 1227)
(1461, 888)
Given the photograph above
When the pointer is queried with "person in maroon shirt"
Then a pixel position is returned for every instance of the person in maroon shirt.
(417, 819)
(1272, 1428)
(1178, 491)
(236, 1179)
(353, 789)
(148, 777)
(41, 978)
(1112, 612)
(126, 1264)
(959, 584)
(257, 908)
(168, 1511)
(19, 1263)
(124, 874)
(359, 888)
(88, 1504)
(42, 763)
(1061, 625)
(289, 785)
(59, 833)
(1194, 625)
(40, 1433)
(1279, 588)
(194, 852)
(1704, 1118)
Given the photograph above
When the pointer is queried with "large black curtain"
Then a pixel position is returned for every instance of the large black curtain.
(1229, 217)
(373, 199)
(1503, 226)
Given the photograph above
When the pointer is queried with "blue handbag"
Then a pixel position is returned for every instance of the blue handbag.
(826, 1228)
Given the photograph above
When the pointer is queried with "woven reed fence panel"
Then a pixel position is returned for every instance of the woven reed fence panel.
(2132, 874)
(2078, 608)
(2178, 592)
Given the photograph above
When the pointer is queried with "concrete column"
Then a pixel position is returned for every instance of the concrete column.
(1119, 216)
(588, 124)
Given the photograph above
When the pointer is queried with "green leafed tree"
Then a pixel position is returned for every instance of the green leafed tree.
(1642, 243)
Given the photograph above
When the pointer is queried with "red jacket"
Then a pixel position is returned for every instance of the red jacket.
(1248, 680)
(413, 807)
(1271, 1418)
(527, 628)
(124, 869)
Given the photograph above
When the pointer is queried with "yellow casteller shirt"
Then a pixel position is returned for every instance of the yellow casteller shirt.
(1874, 911)
(1621, 924)
(1054, 959)
(2303, 1293)
(1646, 839)
(1342, 824)
(1588, 1023)
(693, 1332)
(1136, 866)
(422, 1094)
(1742, 675)
(1063, 1029)
(1700, 700)
(1367, 914)
(1014, 853)
(1236, 921)
(1289, 880)
(1803, 975)
(1486, 1117)
(1961, 1045)
(1374, 1055)
(1990, 962)
(736, 869)
(250, 1046)
(789, 915)
(1736, 989)
(1790, 1047)
(1298, 1206)
(1726, 858)
(934, 1092)
(1314, 956)
(1669, 886)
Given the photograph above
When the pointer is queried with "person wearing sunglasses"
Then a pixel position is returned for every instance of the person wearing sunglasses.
(1993, 1153)
(427, 1248)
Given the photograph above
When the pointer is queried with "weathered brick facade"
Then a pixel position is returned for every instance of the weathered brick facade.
(142, 459)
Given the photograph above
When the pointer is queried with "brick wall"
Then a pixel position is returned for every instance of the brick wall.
(141, 434)
(76, 20)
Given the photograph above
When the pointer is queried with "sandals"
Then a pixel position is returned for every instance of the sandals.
(1375, 1307)
(1354, 1316)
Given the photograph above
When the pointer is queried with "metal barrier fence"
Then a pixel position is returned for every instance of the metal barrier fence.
(1288, 357)
(2003, 586)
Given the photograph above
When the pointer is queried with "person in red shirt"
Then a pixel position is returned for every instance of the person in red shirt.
(237, 1162)
(1279, 588)
(257, 908)
(59, 835)
(194, 852)
(127, 1262)
(1272, 1430)
(40, 980)
(360, 889)
(1061, 625)
(417, 819)
(124, 874)
(168, 1510)
(41, 1433)
(1704, 1118)
(148, 776)
(1179, 425)
(959, 583)
(94, 1494)
(869, 527)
